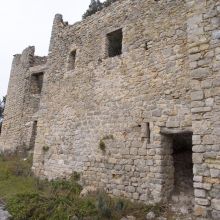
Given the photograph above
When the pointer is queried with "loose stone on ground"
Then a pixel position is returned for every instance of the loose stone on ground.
(4, 215)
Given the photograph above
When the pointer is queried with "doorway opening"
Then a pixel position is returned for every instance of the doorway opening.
(177, 146)
(182, 198)
(183, 166)
(115, 43)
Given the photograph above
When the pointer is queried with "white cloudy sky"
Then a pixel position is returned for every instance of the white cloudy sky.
(28, 22)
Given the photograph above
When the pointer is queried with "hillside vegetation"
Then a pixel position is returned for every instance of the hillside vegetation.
(28, 198)
(96, 6)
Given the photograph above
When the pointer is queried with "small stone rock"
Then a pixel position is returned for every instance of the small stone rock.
(4, 215)
(216, 34)
(200, 210)
(200, 193)
(88, 190)
(184, 210)
(161, 218)
(198, 95)
(131, 218)
(150, 215)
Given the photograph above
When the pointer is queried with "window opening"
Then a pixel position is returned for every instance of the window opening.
(36, 83)
(115, 43)
(72, 60)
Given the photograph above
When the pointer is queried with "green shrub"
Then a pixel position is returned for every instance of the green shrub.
(45, 148)
(15, 166)
(102, 145)
(76, 176)
(104, 205)
(119, 205)
(64, 187)
(96, 6)
(29, 198)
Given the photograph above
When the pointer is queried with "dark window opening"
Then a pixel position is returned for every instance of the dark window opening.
(36, 83)
(183, 166)
(145, 132)
(148, 132)
(146, 46)
(115, 43)
(72, 60)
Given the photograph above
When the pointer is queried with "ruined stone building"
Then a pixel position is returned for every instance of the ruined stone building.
(129, 98)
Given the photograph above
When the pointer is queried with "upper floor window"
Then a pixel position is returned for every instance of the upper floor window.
(115, 43)
(36, 83)
(72, 60)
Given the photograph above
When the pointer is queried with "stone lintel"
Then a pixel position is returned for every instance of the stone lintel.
(170, 131)
(38, 69)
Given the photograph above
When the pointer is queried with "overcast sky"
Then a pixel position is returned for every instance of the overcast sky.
(28, 22)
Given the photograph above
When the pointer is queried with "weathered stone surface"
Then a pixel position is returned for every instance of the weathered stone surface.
(150, 215)
(216, 215)
(216, 34)
(200, 73)
(215, 173)
(203, 202)
(88, 190)
(200, 211)
(200, 193)
(216, 204)
(198, 95)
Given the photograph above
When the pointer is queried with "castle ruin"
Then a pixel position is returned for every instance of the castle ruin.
(129, 98)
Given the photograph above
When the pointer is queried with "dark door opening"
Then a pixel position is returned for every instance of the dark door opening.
(183, 194)
(183, 166)
(177, 146)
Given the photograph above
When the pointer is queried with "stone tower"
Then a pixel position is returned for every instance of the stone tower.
(20, 115)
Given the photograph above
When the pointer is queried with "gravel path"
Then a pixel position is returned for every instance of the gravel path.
(4, 215)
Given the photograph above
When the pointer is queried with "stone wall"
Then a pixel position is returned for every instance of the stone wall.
(113, 119)
(204, 57)
(110, 100)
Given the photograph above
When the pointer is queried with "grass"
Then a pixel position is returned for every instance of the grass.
(15, 176)
(28, 198)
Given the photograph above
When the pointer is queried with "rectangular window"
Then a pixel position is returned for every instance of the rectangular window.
(72, 60)
(36, 83)
(145, 131)
(115, 43)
